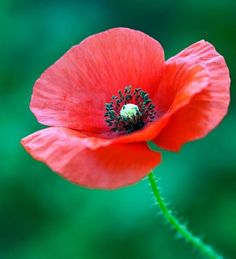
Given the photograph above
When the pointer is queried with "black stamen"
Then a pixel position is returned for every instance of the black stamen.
(146, 114)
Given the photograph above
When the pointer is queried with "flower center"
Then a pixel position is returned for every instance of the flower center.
(129, 111)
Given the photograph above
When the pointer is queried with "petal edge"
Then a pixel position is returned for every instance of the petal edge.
(208, 107)
(105, 167)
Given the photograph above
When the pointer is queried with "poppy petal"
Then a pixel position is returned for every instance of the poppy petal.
(189, 84)
(207, 107)
(91, 162)
(72, 93)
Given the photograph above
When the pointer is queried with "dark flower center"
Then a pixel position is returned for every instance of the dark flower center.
(129, 111)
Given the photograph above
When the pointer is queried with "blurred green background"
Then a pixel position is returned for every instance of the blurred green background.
(44, 216)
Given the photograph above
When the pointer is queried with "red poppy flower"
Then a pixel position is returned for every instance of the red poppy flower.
(109, 95)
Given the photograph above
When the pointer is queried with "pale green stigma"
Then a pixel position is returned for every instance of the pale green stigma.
(129, 111)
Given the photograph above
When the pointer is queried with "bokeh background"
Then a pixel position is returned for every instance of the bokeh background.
(43, 216)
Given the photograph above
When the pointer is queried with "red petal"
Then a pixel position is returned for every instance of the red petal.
(89, 161)
(72, 93)
(209, 103)
(169, 100)
(146, 134)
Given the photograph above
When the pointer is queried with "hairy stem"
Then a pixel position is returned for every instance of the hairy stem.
(181, 229)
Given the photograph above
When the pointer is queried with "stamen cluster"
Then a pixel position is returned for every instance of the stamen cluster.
(125, 125)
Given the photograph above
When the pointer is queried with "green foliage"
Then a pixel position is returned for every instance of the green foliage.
(44, 216)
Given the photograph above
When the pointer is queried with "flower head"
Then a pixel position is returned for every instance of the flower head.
(109, 95)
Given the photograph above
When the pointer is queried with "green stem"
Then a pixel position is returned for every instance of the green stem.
(181, 229)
